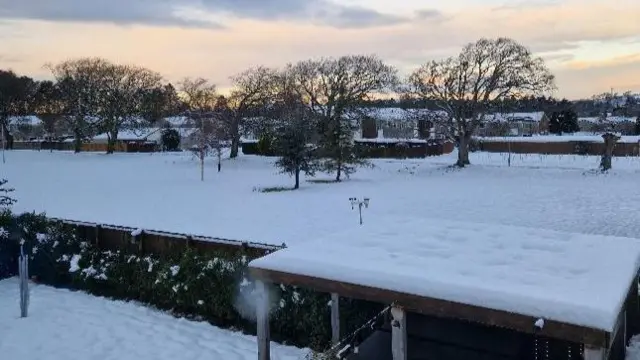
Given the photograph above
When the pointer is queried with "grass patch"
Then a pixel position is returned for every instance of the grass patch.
(274, 189)
(322, 181)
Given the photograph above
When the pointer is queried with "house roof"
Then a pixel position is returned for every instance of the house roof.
(26, 120)
(609, 119)
(564, 278)
(515, 116)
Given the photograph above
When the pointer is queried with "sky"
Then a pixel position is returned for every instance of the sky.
(592, 46)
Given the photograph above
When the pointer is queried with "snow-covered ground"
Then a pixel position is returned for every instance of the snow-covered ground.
(65, 325)
(164, 192)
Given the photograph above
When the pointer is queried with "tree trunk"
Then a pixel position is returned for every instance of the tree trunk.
(463, 151)
(297, 175)
(235, 138)
(111, 141)
(339, 172)
(219, 159)
(7, 137)
(610, 141)
(77, 140)
(235, 147)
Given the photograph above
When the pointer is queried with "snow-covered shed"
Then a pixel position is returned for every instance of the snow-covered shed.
(580, 289)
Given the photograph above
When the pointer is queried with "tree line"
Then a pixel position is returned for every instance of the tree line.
(312, 106)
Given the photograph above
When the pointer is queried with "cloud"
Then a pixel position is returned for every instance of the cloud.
(120, 12)
(9, 59)
(606, 63)
(526, 5)
(167, 12)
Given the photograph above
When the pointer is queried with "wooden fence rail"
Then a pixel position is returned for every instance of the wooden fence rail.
(115, 237)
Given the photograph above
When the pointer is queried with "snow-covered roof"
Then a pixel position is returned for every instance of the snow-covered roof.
(25, 120)
(571, 278)
(131, 135)
(515, 116)
(400, 114)
(177, 121)
(609, 119)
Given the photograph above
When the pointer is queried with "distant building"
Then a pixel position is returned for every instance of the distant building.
(514, 124)
(24, 128)
(621, 124)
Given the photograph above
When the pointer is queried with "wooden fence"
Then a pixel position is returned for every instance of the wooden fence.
(114, 237)
(557, 148)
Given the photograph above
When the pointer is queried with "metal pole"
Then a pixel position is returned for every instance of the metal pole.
(201, 148)
(360, 210)
(3, 144)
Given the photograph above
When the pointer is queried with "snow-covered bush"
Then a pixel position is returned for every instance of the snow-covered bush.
(207, 286)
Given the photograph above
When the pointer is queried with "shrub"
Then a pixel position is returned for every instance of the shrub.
(213, 286)
(170, 139)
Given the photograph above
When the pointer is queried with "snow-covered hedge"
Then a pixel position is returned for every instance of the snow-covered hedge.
(213, 287)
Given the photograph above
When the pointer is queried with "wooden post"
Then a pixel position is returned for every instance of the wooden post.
(262, 316)
(398, 333)
(594, 353)
(335, 318)
(140, 242)
(98, 227)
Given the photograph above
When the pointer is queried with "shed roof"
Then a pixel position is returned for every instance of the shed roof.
(570, 279)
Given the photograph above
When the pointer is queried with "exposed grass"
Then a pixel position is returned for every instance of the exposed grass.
(275, 189)
(322, 181)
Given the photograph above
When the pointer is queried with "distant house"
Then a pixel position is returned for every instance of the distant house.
(398, 123)
(514, 124)
(596, 125)
(24, 128)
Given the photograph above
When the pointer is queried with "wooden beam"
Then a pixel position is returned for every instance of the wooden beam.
(335, 318)
(262, 316)
(398, 333)
(439, 308)
(594, 353)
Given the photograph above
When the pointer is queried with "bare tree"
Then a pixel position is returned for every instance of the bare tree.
(16, 97)
(80, 83)
(248, 97)
(123, 97)
(201, 101)
(334, 89)
(484, 73)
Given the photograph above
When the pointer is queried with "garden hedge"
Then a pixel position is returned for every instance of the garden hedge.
(210, 287)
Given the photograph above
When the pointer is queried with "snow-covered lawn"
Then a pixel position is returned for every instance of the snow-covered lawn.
(164, 192)
(65, 325)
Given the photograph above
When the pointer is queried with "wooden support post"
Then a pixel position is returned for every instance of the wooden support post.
(97, 243)
(140, 240)
(594, 353)
(335, 318)
(262, 315)
(398, 333)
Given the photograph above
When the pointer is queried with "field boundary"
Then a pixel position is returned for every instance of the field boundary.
(118, 237)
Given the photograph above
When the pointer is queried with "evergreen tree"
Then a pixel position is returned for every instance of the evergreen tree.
(170, 139)
(637, 127)
(563, 121)
(5, 200)
(293, 145)
(337, 148)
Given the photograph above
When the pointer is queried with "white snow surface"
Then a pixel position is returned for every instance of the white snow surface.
(65, 325)
(163, 192)
(633, 349)
(572, 278)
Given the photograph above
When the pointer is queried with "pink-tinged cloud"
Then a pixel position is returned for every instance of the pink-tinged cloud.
(563, 32)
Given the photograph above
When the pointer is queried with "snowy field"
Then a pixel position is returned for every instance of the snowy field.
(164, 192)
(65, 325)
